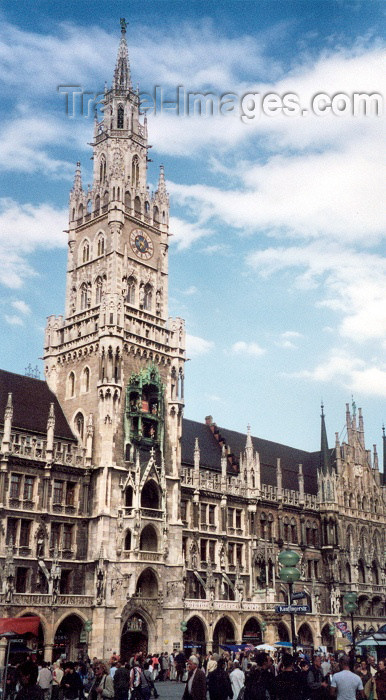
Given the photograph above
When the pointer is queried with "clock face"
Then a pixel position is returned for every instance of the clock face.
(141, 244)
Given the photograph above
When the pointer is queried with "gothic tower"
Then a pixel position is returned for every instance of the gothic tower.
(115, 360)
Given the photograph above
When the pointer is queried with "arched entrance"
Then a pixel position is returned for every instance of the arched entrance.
(147, 584)
(223, 633)
(305, 637)
(67, 639)
(252, 632)
(327, 638)
(134, 637)
(283, 632)
(194, 637)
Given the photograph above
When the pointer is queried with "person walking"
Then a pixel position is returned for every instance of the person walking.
(103, 685)
(45, 680)
(121, 682)
(317, 685)
(195, 688)
(71, 684)
(345, 685)
(237, 679)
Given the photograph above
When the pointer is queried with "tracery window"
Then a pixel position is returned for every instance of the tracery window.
(101, 245)
(79, 424)
(120, 117)
(135, 172)
(98, 290)
(147, 297)
(131, 284)
(102, 169)
(86, 252)
(83, 296)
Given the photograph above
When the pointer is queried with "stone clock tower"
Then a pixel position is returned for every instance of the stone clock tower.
(116, 362)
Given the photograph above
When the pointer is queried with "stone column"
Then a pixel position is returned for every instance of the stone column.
(48, 652)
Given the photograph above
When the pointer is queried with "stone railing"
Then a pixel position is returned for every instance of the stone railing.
(249, 606)
(150, 556)
(44, 599)
(31, 448)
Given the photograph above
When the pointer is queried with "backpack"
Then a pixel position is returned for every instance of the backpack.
(137, 677)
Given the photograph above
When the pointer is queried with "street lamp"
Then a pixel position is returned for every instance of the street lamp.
(289, 574)
(350, 606)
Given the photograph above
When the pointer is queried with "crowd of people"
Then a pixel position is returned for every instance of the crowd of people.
(246, 675)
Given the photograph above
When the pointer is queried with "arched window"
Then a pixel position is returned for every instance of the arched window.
(86, 252)
(286, 530)
(147, 297)
(89, 206)
(156, 216)
(71, 384)
(101, 245)
(127, 201)
(269, 527)
(294, 531)
(86, 379)
(102, 169)
(135, 172)
(128, 541)
(262, 526)
(150, 497)
(121, 113)
(79, 424)
(131, 284)
(137, 207)
(80, 211)
(83, 296)
(98, 290)
(147, 208)
(97, 205)
(129, 497)
(105, 198)
(149, 539)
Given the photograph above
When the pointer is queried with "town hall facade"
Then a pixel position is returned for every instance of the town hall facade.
(121, 519)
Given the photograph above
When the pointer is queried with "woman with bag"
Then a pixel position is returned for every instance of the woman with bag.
(103, 686)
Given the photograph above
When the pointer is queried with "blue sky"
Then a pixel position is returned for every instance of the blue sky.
(277, 261)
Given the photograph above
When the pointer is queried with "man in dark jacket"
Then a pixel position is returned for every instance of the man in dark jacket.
(317, 686)
(195, 688)
(288, 680)
(28, 678)
(121, 682)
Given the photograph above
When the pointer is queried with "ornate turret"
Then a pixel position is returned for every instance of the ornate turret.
(122, 79)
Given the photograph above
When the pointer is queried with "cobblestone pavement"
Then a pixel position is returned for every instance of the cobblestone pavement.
(170, 690)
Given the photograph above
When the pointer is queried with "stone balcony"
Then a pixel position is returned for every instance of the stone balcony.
(45, 600)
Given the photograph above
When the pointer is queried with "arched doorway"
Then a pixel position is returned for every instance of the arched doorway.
(67, 639)
(148, 540)
(252, 632)
(147, 584)
(194, 637)
(282, 632)
(134, 637)
(150, 495)
(223, 633)
(327, 638)
(305, 638)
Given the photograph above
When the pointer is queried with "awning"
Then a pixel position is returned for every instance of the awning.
(19, 625)
(372, 641)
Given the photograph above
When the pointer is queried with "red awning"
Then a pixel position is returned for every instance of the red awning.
(19, 625)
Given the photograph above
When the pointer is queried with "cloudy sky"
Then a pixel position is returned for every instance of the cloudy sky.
(277, 261)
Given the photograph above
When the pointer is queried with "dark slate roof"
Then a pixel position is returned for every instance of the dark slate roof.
(31, 399)
(290, 457)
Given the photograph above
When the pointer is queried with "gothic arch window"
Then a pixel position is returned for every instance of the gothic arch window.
(286, 530)
(365, 504)
(128, 201)
(147, 208)
(98, 290)
(149, 539)
(97, 205)
(89, 206)
(262, 525)
(348, 573)
(83, 296)
(352, 501)
(71, 385)
(86, 380)
(270, 527)
(101, 245)
(156, 216)
(106, 198)
(150, 495)
(129, 497)
(120, 117)
(80, 211)
(127, 541)
(294, 531)
(102, 168)
(148, 297)
(85, 252)
(315, 534)
(137, 207)
(135, 172)
(79, 424)
(131, 286)
(361, 572)
(374, 573)
(73, 214)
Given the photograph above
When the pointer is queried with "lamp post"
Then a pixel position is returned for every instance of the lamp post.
(350, 606)
(289, 574)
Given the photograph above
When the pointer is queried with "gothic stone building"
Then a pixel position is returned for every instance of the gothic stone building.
(120, 518)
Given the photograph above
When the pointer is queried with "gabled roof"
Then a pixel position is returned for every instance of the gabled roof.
(31, 399)
(290, 457)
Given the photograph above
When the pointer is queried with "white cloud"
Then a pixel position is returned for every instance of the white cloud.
(190, 291)
(196, 346)
(353, 373)
(185, 233)
(21, 306)
(14, 320)
(354, 283)
(243, 348)
(24, 228)
(288, 339)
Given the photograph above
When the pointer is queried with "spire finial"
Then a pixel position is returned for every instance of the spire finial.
(122, 80)
(77, 187)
